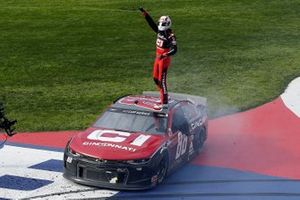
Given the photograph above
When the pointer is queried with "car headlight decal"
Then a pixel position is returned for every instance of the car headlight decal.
(138, 161)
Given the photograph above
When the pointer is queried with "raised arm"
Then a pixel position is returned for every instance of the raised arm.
(149, 19)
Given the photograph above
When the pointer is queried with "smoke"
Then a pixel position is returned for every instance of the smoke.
(219, 105)
(221, 110)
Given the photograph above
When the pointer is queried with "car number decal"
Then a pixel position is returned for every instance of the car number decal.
(181, 146)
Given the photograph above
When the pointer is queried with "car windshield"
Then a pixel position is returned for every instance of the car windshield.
(133, 121)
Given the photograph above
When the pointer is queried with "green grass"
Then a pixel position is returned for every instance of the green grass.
(63, 61)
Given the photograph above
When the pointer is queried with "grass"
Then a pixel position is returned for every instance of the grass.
(63, 61)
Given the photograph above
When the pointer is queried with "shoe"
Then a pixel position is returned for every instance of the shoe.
(163, 108)
(157, 107)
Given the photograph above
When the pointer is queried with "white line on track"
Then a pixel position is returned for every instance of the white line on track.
(291, 97)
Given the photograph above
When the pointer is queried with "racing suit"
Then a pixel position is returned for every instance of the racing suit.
(165, 47)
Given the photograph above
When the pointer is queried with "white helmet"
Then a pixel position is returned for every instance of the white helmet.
(164, 23)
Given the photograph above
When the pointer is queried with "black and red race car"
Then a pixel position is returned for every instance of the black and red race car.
(132, 146)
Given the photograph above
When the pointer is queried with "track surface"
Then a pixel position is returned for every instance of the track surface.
(249, 155)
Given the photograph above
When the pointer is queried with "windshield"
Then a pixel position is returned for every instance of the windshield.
(132, 121)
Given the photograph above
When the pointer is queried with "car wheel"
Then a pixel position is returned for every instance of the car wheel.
(162, 171)
(201, 139)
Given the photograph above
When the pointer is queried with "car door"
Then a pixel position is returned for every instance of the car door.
(179, 136)
(193, 118)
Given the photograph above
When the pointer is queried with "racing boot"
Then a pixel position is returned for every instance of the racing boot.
(161, 107)
(157, 107)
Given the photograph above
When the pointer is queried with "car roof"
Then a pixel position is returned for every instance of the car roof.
(141, 102)
(146, 101)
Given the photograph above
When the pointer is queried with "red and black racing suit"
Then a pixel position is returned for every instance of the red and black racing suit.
(165, 47)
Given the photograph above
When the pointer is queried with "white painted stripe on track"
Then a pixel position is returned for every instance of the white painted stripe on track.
(97, 194)
(64, 189)
(16, 160)
(291, 97)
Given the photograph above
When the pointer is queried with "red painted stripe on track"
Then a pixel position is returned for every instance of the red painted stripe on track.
(265, 140)
(48, 139)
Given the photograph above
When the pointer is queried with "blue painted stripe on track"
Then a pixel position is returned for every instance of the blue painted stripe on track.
(213, 197)
(22, 183)
(192, 172)
(195, 182)
(50, 165)
(39, 147)
(3, 199)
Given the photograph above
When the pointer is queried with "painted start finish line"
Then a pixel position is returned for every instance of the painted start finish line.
(248, 155)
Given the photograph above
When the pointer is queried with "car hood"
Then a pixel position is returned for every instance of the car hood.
(115, 145)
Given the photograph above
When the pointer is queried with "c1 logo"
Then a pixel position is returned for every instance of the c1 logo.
(117, 137)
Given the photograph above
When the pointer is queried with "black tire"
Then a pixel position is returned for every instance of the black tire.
(200, 139)
(162, 170)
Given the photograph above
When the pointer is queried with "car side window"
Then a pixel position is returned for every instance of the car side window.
(179, 122)
(189, 111)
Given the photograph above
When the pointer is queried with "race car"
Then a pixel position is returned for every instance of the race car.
(133, 146)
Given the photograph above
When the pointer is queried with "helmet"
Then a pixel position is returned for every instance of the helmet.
(164, 23)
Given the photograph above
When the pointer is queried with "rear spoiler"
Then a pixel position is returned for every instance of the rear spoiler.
(180, 96)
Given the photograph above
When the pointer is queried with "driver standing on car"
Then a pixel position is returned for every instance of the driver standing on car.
(165, 47)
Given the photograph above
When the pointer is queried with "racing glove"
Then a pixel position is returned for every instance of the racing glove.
(143, 11)
(163, 56)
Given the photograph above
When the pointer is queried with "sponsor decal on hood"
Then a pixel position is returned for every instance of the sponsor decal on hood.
(105, 144)
(116, 145)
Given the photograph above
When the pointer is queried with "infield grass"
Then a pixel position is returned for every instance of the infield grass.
(63, 61)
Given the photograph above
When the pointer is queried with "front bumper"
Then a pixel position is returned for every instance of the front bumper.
(110, 174)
